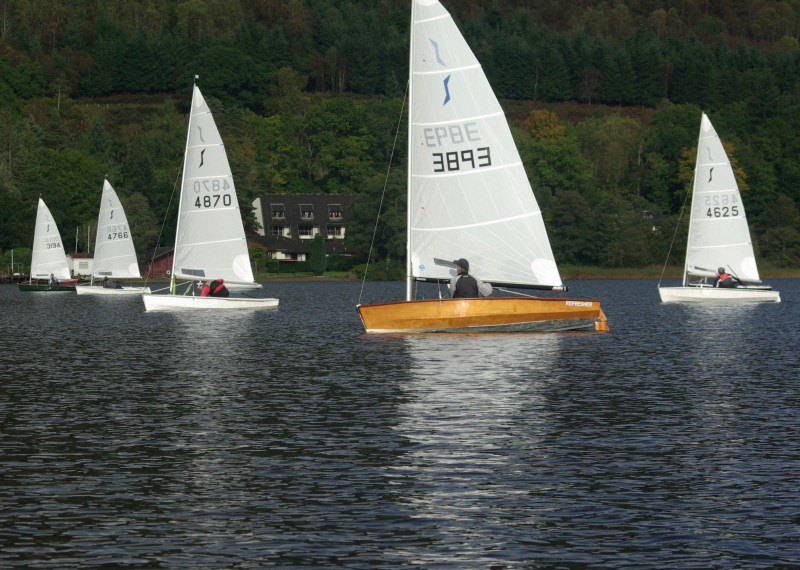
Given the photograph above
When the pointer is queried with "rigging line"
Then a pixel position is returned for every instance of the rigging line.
(383, 193)
(680, 215)
(504, 290)
(161, 231)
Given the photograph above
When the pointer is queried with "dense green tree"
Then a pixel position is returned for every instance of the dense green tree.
(318, 259)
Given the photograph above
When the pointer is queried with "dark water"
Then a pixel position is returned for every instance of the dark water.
(291, 439)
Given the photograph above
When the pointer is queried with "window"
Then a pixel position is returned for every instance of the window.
(335, 211)
(335, 231)
(278, 211)
(276, 230)
(306, 212)
(83, 265)
(305, 231)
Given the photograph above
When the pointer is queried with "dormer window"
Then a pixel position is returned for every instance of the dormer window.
(278, 211)
(335, 212)
(306, 212)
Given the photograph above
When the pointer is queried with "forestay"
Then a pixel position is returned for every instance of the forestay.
(114, 254)
(48, 256)
(718, 231)
(210, 241)
(469, 195)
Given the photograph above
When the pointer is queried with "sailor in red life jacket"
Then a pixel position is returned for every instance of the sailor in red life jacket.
(214, 288)
(723, 279)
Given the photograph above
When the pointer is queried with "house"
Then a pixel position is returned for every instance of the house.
(289, 223)
(161, 265)
(80, 264)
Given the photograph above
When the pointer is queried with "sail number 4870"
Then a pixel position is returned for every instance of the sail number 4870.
(217, 193)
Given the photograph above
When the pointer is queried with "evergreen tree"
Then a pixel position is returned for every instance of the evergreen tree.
(318, 259)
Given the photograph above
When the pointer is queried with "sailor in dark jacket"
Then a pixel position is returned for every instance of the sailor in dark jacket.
(464, 285)
(724, 279)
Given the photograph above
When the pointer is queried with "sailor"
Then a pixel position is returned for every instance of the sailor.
(53, 280)
(724, 279)
(464, 285)
(215, 288)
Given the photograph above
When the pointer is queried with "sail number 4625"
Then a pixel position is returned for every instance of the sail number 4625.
(721, 206)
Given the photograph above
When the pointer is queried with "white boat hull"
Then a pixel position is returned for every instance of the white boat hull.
(718, 295)
(97, 290)
(195, 303)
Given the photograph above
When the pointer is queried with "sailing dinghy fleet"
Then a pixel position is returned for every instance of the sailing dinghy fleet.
(468, 195)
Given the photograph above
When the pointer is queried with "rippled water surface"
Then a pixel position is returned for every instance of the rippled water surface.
(290, 438)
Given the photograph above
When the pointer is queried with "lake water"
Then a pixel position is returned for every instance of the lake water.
(292, 439)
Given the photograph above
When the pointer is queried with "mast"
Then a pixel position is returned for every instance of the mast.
(180, 196)
(691, 205)
(409, 277)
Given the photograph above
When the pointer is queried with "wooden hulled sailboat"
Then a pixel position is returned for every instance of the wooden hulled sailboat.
(209, 243)
(719, 236)
(469, 196)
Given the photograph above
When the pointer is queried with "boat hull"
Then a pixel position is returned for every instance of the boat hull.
(490, 314)
(53, 288)
(718, 295)
(195, 303)
(97, 290)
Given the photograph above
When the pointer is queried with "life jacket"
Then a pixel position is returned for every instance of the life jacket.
(215, 289)
(724, 276)
(466, 286)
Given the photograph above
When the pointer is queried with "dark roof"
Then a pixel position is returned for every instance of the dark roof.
(81, 255)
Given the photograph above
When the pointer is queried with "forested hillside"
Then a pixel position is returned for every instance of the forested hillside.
(605, 100)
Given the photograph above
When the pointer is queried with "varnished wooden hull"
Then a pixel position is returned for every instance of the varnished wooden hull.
(490, 314)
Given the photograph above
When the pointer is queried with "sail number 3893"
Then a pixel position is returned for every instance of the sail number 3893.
(461, 159)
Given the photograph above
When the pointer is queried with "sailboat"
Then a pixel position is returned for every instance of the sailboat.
(209, 238)
(469, 196)
(47, 257)
(719, 237)
(114, 255)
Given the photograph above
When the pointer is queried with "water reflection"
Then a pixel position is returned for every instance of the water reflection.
(466, 398)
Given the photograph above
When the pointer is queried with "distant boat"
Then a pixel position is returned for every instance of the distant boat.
(469, 197)
(719, 237)
(114, 254)
(48, 256)
(209, 243)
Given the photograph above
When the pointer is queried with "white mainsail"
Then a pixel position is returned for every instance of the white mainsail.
(469, 195)
(210, 241)
(48, 255)
(114, 254)
(718, 232)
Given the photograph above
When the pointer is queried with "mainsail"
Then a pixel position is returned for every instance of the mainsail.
(469, 195)
(210, 241)
(48, 255)
(718, 231)
(114, 254)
